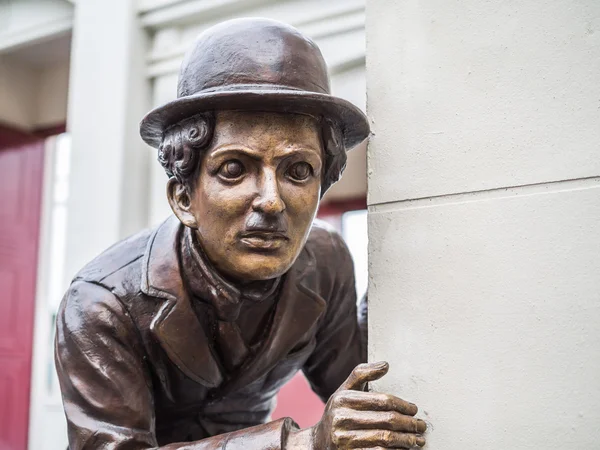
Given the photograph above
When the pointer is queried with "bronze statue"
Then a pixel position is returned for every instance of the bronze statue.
(180, 337)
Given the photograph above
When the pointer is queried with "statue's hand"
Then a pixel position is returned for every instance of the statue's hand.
(357, 419)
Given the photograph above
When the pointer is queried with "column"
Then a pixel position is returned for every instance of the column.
(109, 94)
(484, 217)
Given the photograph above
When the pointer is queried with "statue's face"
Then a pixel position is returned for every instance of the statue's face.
(258, 191)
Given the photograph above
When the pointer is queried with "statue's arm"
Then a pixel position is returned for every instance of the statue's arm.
(341, 343)
(107, 393)
(353, 417)
(99, 359)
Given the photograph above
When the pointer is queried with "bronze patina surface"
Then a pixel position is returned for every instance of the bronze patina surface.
(180, 337)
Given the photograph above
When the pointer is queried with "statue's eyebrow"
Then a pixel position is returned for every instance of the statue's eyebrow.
(302, 149)
(233, 149)
(239, 149)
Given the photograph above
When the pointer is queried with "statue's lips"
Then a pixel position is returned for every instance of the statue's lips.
(263, 240)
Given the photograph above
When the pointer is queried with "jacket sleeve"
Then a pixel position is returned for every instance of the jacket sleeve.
(341, 339)
(106, 389)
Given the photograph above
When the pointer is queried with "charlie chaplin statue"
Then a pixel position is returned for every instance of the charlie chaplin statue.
(180, 337)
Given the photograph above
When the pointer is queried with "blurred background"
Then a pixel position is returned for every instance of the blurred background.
(75, 79)
(483, 196)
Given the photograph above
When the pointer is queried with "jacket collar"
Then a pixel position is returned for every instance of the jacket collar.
(175, 325)
(179, 332)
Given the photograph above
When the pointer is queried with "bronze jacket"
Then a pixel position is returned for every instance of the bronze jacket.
(137, 370)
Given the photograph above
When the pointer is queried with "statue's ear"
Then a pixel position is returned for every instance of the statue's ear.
(181, 203)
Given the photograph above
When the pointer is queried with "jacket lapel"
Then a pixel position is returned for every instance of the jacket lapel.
(183, 338)
(176, 326)
(297, 311)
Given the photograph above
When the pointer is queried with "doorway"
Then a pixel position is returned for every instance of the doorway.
(21, 180)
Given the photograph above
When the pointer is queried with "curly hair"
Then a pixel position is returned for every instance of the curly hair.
(184, 144)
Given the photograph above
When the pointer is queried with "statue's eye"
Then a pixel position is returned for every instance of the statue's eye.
(232, 169)
(300, 171)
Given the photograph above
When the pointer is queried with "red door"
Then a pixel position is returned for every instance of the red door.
(21, 170)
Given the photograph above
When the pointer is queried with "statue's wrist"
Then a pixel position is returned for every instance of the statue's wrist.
(300, 439)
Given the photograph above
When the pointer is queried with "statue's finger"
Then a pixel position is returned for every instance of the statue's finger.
(363, 374)
(375, 448)
(377, 438)
(351, 419)
(376, 401)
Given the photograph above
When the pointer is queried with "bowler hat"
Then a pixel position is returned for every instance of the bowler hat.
(258, 65)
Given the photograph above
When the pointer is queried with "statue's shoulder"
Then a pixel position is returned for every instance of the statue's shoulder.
(326, 243)
(116, 258)
(333, 268)
(99, 290)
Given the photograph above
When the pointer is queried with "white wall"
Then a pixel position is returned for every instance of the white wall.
(484, 201)
(18, 85)
(34, 62)
(24, 22)
(33, 96)
(52, 95)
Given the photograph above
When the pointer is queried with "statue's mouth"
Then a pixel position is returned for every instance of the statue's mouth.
(264, 240)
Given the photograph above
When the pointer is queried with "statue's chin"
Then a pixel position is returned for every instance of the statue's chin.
(259, 267)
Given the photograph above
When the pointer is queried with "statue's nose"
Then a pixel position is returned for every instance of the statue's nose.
(268, 199)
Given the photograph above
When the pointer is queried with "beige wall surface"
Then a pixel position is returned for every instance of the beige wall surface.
(481, 94)
(484, 201)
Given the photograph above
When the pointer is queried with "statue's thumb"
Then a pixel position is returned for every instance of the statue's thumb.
(363, 374)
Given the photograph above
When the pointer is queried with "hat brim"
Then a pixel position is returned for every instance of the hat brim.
(351, 120)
